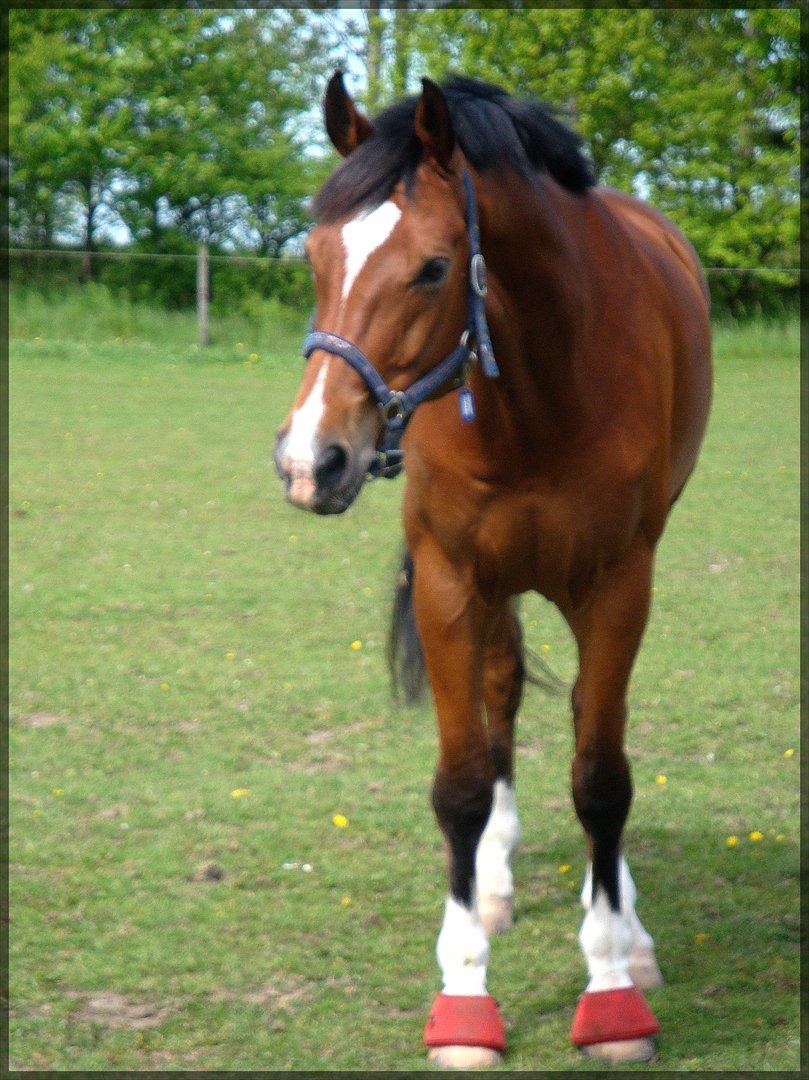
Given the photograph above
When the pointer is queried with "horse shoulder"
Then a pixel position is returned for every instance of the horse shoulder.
(655, 233)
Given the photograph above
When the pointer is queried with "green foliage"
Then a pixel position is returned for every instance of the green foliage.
(199, 123)
(178, 632)
(158, 117)
(695, 110)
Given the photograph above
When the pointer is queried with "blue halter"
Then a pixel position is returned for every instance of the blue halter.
(452, 373)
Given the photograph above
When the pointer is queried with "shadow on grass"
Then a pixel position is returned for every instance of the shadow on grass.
(726, 927)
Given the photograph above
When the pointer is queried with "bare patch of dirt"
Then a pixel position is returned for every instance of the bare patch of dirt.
(320, 763)
(114, 812)
(42, 719)
(208, 871)
(114, 1010)
(317, 738)
(283, 993)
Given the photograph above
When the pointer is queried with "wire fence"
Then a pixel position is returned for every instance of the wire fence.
(216, 282)
(238, 257)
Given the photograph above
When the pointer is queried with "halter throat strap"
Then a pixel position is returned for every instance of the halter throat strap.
(451, 373)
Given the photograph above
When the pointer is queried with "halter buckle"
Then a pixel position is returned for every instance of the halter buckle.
(477, 275)
(393, 409)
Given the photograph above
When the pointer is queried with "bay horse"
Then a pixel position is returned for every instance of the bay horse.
(535, 350)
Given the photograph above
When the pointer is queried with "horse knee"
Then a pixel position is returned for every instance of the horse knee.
(602, 793)
(462, 802)
(602, 790)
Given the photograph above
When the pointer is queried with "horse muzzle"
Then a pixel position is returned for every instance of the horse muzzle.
(328, 483)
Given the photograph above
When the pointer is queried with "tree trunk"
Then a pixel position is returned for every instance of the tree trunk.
(87, 267)
(374, 48)
(402, 49)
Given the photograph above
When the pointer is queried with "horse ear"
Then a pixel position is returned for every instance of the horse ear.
(346, 126)
(433, 124)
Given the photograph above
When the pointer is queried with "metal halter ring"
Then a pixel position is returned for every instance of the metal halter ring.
(477, 275)
(393, 409)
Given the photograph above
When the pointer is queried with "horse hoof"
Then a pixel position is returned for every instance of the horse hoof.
(615, 1025)
(621, 1052)
(465, 1032)
(643, 970)
(464, 1057)
(496, 913)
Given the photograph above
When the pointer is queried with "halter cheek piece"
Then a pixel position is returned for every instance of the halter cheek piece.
(452, 373)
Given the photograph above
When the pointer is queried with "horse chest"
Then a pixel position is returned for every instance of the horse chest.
(534, 538)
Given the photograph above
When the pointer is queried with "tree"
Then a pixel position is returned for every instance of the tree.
(69, 119)
(162, 118)
(697, 110)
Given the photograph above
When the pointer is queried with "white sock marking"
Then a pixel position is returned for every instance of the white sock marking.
(641, 939)
(299, 449)
(363, 235)
(607, 937)
(499, 839)
(463, 951)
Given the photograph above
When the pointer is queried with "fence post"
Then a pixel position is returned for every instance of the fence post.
(203, 292)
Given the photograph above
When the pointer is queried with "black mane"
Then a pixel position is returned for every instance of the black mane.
(494, 131)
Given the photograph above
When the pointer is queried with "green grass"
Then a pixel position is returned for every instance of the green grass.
(179, 633)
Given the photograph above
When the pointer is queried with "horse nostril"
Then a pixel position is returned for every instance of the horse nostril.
(330, 467)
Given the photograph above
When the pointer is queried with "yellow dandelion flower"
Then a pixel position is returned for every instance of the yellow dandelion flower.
(356, 645)
(340, 820)
(701, 937)
(240, 792)
(164, 686)
(345, 901)
(564, 869)
(544, 647)
(287, 685)
(292, 538)
(58, 791)
(789, 753)
(661, 779)
(732, 841)
(230, 655)
(367, 591)
(755, 836)
(253, 356)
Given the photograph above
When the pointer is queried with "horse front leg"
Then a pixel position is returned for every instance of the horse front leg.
(612, 1019)
(464, 1029)
(503, 677)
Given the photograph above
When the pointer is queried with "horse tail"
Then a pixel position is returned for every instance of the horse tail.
(406, 658)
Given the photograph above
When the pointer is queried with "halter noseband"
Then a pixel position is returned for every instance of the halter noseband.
(397, 406)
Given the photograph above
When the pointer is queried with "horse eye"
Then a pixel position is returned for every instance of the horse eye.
(433, 272)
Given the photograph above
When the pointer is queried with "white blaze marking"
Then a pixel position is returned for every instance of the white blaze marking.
(363, 235)
(499, 839)
(607, 937)
(463, 951)
(299, 450)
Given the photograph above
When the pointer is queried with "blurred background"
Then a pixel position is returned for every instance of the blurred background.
(151, 132)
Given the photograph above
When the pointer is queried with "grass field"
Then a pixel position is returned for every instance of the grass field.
(188, 714)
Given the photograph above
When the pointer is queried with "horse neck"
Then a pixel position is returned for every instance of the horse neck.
(538, 284)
